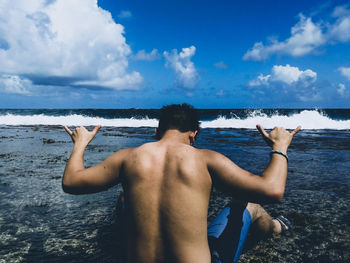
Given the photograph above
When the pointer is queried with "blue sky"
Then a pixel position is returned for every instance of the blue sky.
(144, 54)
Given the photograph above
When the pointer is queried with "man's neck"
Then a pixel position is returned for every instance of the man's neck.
(176, 136)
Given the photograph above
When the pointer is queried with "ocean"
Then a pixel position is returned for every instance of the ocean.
(40, 223)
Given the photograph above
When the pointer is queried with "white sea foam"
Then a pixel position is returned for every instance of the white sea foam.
(74, 120)
(308, 119)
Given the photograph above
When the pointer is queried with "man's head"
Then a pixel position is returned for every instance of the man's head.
(182, 117)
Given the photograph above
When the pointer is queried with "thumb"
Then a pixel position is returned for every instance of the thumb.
(262, 131)
(68, 130)
(296, 130)
(96, 129)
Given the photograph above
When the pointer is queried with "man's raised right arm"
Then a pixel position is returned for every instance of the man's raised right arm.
(80, 180)
(267, 188)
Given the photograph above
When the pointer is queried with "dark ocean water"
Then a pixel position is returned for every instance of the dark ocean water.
(40, 223)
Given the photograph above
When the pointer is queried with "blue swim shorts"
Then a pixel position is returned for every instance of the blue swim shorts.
(228, 232)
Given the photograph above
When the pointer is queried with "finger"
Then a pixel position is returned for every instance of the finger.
(68, 130)
(96, 129)
(262, 131)
(296, 130)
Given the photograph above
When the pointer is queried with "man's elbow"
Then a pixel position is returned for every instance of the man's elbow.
(273, 191)
(73, 190)
(68, 186)
(276, 195)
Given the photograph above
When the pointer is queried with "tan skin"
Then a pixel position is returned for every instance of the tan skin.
(167, 187)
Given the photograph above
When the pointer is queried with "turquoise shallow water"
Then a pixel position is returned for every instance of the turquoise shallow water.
(40, 223)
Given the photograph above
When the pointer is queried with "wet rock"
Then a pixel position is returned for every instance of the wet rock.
(48, 141)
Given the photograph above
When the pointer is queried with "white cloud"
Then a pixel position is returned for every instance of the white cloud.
(124, 14)
(187, 76)
(73, 40)
(221, 65)
(345, 72)
(306, 37)
(15, 85)
(290, 75)
(261, 80)
(143, 55)
(341, 89)
(340, 30)
(127, 82)
(286, 75)
(289, 80)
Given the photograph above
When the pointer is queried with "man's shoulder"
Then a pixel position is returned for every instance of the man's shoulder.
(133, 149)
(145, 146)
(142, 149)
(211, 156)
(153, 147)
(207, 152)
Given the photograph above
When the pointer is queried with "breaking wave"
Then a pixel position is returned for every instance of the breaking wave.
(308, 119)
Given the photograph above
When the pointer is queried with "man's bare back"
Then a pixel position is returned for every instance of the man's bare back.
(168, 184)
(167, 187)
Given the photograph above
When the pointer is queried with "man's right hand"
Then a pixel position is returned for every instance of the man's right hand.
(279, 138)
(81, 136)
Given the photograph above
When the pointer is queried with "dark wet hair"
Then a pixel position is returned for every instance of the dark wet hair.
(182, 117)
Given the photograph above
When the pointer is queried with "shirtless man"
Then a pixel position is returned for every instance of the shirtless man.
(167, 186)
